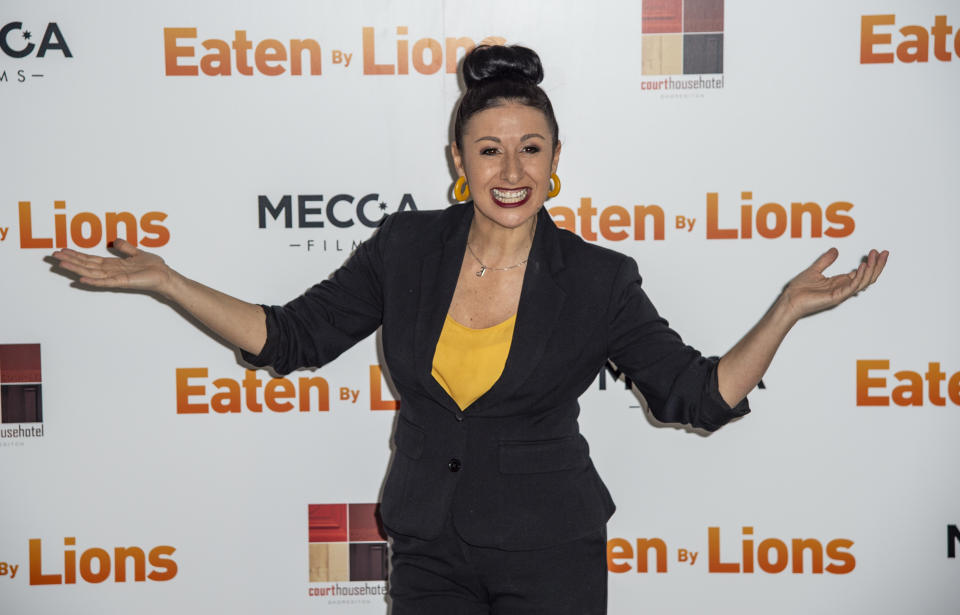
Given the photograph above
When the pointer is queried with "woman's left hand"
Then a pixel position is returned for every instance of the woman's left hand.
(812, 292)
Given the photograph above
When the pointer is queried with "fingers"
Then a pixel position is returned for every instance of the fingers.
(125, 247)
(881, 263)
(854, 280)
(874, 265)
(83, 270)
(105, 282)
(68, 255)
(868, 271)
(825, 260)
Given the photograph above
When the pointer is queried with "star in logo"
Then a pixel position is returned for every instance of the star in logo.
(26, 35)
(383, 206)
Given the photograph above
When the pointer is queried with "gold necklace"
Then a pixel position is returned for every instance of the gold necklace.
(484, 268)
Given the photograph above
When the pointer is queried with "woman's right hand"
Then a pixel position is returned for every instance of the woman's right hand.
(136, 270)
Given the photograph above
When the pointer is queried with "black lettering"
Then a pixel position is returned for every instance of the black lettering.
(21, 76)
(5, 45)
(616, 373)
(266, 206)
(407, 202)
(953, 537)
(361, 214)
(337, 222)
(53, 32)
(303, 210)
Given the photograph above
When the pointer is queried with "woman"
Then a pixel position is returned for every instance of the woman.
(494, 322)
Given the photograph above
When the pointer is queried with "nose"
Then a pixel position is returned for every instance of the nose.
(511, 168)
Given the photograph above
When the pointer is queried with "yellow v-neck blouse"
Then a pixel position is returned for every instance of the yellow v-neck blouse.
(467, 362)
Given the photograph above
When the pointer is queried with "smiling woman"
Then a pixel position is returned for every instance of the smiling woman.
(494, 322)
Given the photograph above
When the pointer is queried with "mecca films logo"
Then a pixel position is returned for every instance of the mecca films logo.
(335, 222)
(347, 552)
(682, 46)
(24, 46)
(21, 401)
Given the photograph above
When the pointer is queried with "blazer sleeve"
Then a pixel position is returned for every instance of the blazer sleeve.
(679, 384)
(330, 317)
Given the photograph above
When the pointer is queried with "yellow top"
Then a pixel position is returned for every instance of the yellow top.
(467, 362)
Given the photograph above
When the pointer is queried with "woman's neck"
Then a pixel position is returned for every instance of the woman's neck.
(499, 246)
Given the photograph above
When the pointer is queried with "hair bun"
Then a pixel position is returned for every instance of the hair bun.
(499, 62)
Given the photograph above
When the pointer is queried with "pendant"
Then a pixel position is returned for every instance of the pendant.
(482, 271)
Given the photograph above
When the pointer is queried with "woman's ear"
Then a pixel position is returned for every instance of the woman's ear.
(556, 158)
(457, 160)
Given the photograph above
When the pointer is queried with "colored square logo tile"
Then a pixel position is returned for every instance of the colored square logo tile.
(662, 54)
(702, 54)
(662, 16)
(703, 16)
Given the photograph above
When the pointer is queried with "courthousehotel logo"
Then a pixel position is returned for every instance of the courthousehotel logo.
(682, 44)
(21, 399)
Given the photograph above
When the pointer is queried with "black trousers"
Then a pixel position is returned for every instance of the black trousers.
(447, 576)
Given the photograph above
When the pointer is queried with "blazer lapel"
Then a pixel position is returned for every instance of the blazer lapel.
(541, 300)
(438, 281)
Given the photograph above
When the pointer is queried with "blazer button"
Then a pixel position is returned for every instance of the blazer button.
(454, 465)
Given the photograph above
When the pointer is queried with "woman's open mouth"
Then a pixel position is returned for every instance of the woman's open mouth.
(510, 198)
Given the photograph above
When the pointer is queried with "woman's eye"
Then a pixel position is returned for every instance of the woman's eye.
(488, 151)
(531, 149)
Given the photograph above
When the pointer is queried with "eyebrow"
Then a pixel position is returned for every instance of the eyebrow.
(532, 135)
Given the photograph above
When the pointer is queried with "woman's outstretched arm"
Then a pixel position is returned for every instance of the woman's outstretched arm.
(240, 323)
(810, 292)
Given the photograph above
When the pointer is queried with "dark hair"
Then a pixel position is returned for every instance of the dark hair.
(496, 74)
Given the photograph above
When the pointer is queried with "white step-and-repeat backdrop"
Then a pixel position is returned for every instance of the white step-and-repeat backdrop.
(724, 145)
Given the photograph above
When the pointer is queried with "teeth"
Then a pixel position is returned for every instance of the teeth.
(510, 196)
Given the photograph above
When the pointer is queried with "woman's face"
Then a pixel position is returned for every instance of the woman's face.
(507, 159)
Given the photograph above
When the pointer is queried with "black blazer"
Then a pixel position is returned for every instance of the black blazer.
(512, 469)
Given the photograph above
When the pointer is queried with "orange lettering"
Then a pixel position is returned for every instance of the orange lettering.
(26, 229)
(278, 389)
(370, 67)
(36, 566)
(185, 390)
(270, 50)
(869, 38)
(618, 548)
(171, 51)
(713, 546)
(865, 383)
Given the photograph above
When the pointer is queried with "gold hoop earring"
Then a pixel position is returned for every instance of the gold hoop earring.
(555, 189)
(461, 191)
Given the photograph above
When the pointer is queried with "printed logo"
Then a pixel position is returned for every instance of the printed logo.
(953, 539)
(197, 394)
(770, 555)
(21, 398)
(913, 44)
(19, 42)
(348, 553)
(771, 220)
(96, 565)
(872, 383)
(41, 230)
(244, 56)
(682, 38)
(321, 215)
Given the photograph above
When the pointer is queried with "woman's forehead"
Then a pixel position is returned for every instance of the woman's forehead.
(509, 120)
